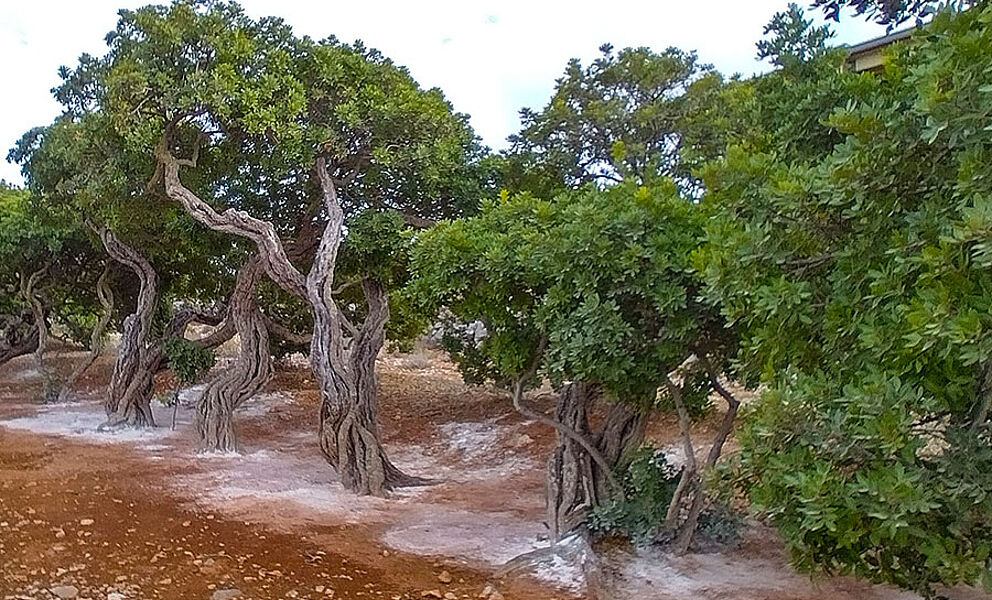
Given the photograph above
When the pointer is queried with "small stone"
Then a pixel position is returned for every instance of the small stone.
(68, 592)
(495, 596)
(115, 596)
(228, 594)
(450, 596)
(319, 589)
(444, 577)
(431, 594)
(166, 581)
(85, 522)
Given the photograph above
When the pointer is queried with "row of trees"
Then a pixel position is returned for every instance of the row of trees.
(655, 231)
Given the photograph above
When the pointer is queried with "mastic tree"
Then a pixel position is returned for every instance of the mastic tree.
(856, 272)
(26, 247)
(331, 131)
(81, 174)
(48, 268)
(621, 117)
(592, 290)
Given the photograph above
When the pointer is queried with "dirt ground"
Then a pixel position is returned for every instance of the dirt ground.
(139, 514)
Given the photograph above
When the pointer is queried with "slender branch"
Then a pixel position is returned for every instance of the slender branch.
(518, 389)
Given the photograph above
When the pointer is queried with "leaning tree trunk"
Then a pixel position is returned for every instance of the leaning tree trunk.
(129, 396)
(18, 337)
(576, 479)
(97, 343)
(349, 433)
(692, 479)
(29, 291)
(214, 422)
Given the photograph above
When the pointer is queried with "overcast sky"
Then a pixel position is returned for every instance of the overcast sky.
(490, 57)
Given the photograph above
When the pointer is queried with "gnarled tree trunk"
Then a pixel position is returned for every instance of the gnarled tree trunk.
(129, 395)
(29, 291)
(576, 481)
(349, 432)
(19, 336)
(97, 343)
(349, 429)
(251, 370)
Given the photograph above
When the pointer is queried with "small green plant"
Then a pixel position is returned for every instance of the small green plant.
(639, 512)
(720, 526)
(188, 361)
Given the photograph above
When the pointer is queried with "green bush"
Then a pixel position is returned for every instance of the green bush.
(639, 512)
(187, 359)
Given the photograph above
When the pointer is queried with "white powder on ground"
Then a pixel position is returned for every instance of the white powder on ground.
(83, 421)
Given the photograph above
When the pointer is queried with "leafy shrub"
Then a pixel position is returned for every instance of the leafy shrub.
(720, 526)
(187, 359)
(639, 512)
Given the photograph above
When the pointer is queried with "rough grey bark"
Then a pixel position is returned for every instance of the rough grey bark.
(575, 481)
(129, 395)
(29, 291)
(97, 342)
(251, 370)
(349, 432)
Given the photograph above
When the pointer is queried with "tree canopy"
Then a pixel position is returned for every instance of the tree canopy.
(854, 266)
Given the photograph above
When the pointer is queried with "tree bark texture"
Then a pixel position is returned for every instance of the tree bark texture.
(29, 291)
(251, 370)
(575, 481)
(97, 342)
(349, 432)
(129, 395)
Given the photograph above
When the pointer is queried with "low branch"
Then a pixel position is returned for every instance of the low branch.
(281, 331)
(518, 392)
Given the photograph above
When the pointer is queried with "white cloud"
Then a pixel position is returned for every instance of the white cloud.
(490, 58)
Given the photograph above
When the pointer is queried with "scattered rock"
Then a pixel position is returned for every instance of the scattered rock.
(85, 522)
(68, 592)
(431, 594)
(450, 596)
(490, 593)
(444, 577)
(115, 596)
(228, 594)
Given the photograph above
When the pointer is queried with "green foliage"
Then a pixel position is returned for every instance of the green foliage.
(696, 390)
(847, 245)
(638, 513)
(187, 359)
(889, 12)
(793, 38)
(597, 281)
(621, 117)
